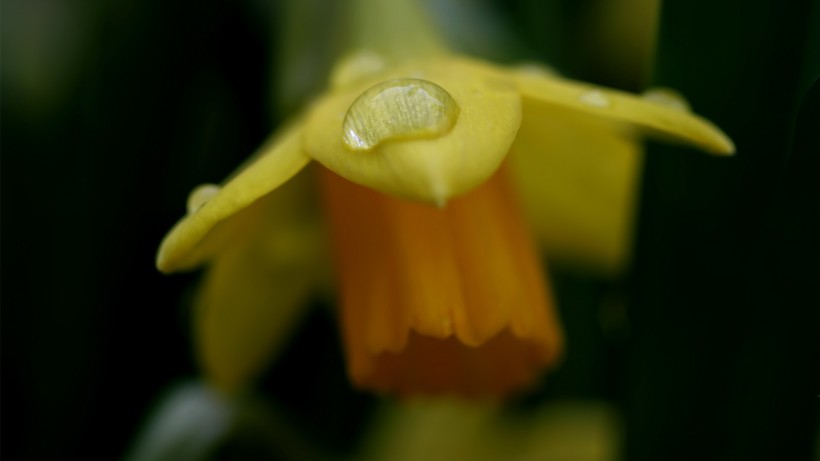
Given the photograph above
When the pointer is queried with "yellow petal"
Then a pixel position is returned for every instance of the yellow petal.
(190, 241)
(626, 111)
(245, 311)
(577, 179)
(428, 169)
(254, 291)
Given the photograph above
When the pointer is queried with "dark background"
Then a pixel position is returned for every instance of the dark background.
(113, 111)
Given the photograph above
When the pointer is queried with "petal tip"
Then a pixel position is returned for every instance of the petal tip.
(162, 261)
(718, 143)
(727, 147)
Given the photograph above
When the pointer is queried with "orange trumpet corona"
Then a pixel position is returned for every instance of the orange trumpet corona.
(449, 300)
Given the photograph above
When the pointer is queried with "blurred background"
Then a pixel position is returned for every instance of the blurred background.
(707, 348)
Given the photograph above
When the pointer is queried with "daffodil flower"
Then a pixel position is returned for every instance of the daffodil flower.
(422, 159)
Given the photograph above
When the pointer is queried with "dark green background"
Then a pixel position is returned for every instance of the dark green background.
(717, 352)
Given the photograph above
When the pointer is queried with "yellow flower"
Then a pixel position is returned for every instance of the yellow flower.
(439, 279)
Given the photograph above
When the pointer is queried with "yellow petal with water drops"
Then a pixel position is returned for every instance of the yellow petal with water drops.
(203, 231)
(626, 111)
(253, 293)
(577, 180)
(398, 109)
(441, 136)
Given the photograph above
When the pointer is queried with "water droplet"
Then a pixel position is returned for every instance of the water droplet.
(595, 98)
(398, 109)
(356, 67)
(200, 196)
(666, 97)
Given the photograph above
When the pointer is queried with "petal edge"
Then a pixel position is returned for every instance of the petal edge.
(625, 108)
(278, 160)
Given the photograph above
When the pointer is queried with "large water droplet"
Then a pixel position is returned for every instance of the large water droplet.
(398, 109)
(595, 98)
(200, 196)
(666, 97)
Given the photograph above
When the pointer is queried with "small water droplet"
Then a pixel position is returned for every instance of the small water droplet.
(200, 196)
(666, 97)
(595, 98)
(356, 67)
(398, 109)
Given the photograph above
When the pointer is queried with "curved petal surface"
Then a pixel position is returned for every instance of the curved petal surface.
(431, 169)
(577, 180)
(254, 291)
(626, 111)
(278, 160)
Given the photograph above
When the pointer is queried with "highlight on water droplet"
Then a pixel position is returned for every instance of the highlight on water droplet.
(399, 109)
(200, 196)
(666, 97)
(595, 98)
(356, 67)
(537, 69)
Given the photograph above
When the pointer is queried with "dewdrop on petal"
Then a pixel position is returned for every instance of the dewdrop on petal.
(398, 109)
(666, 97)
(595, 98)
(200, 196)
